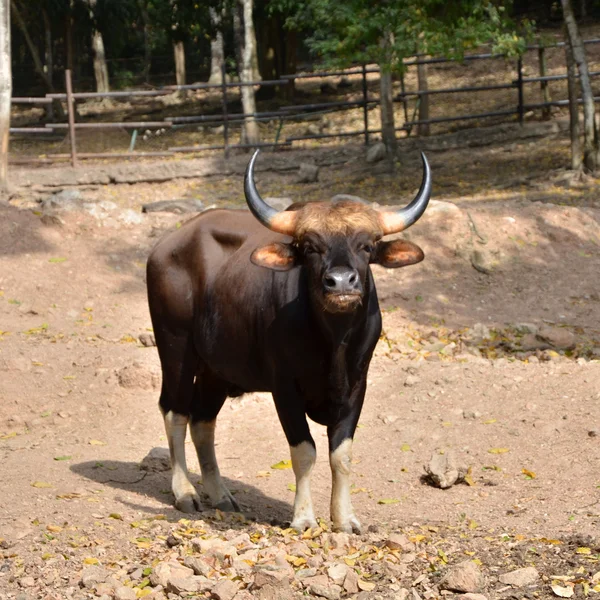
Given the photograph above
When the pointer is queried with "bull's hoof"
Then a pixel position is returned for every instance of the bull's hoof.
(189, 503)
(351, 526)
(228, 504)
(303, 523)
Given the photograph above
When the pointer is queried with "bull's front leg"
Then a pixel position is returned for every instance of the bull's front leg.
(290, 409)
(341, 435)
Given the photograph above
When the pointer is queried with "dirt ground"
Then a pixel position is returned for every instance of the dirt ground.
(490, 352)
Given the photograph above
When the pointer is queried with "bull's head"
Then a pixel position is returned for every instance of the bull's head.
(337, 240)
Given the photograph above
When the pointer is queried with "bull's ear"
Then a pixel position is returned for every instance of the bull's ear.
(276, 256)
(398, 253)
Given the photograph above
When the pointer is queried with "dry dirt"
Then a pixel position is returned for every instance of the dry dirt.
(490, 352)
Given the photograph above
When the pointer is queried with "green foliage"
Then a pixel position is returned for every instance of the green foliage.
(386, 32)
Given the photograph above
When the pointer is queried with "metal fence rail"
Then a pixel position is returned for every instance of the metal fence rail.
(285, 113)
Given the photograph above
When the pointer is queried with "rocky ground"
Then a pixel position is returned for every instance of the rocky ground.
(485, 382)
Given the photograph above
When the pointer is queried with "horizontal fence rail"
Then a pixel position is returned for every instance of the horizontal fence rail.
(290, 113)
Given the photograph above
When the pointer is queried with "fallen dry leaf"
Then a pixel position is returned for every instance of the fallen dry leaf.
(282, 464)
(563, 592)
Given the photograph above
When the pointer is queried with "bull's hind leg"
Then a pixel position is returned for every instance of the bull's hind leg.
(209, 395)
(179, 363)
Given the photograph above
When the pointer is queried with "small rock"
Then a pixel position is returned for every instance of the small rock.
(199, 566)
(331, 592)
(163, 572)
(181, 206)
(125, 593)
(376, 152)
(463, 577)
(351, 582)
(307, 173)
(93, 575)
(481, 261)
(412, 380)
(471, 414)
(444, 471)
(559, 337)
(181, 585)
(27, 582)
(274, 577)
(147, 339)
(173, 541)
(471, 596)
(593, 433)
(225, 590)
(157, 460)
(520, 577)
(337, 573)
(398, 541)
(137, 375)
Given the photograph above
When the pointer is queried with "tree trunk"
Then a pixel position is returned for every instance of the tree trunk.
(576, 154)
(238, 35)
(590, 131)
(251, 131)
(35, 55)
(143, 6)
(48, 58)
(69, 38)
(100, 68)
(423, 100)
(179, 50)
(386, 103)
(217, 51)
(5, 91)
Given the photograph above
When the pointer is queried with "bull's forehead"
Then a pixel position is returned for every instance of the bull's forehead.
(337, 218)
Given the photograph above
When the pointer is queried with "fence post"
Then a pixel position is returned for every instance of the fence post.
(225, 117)
(520, 89)
(544, 84)
(71, 116)
(404, 100)
(365, 103)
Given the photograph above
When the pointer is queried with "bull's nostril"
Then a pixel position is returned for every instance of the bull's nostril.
(352, 279)
(330, 281)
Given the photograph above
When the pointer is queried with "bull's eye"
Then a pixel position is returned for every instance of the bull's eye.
(368, 248)
(310, 249)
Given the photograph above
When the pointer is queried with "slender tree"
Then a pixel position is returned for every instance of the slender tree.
(591, 159)
(5, 91)
(100, 68)
(217, 49)
(251, 130)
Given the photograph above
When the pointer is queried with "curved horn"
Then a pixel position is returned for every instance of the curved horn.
(394, 221)
(281, 222)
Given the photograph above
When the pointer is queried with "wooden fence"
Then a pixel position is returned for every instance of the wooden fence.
(285, 113)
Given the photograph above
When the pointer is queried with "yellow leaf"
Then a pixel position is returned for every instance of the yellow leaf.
(528, 474)
(97, 443)
(54, 528)
(489, 421)
(128, 339)
(498, 450)
(388, 501)
(405, 448)
(282, 464)
(47, 555)
(473, 525)
(358, 490)
(41, 484)
(263, 474)
(116, 516)
(12, 434)
(366, 586)
(291, 487)
(91, 561)
(297, 561)
(583, 550)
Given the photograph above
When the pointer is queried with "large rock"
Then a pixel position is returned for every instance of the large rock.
(92, 576)
(376, 152)
(225, 590)
(463, 577)
(308, 173)
(520, 577)
(138, 375)
(157, 460)
(559, 337)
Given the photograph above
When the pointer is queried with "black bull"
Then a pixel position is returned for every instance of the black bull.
(277, 302)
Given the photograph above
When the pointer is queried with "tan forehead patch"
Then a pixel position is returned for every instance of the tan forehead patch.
(342, 218)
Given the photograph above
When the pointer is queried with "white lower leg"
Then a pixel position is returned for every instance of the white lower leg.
(342, 513)
(203, 436)
(303, 460)
(176, 428)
